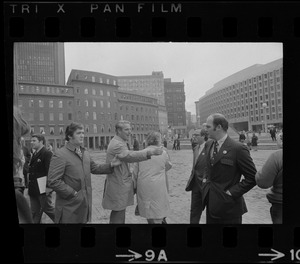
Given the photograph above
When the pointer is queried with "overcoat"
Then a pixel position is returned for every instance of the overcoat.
(68, 173)
(232, 161)
(118, 188)
(38, 167)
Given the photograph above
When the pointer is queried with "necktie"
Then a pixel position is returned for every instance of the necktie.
(215, 152)
(78, 151)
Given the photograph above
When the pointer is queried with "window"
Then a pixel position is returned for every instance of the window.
(94, 91)
(60, 117)
(69, 116)
(94, 103)
(31, 103)
(107, 81)
(61, 130)
(100, 80)
(51, 130)
(108, 92)
(42, 130)
(94, 116)
(51, 116)
(108, 104)
(87, 128)
(101, 104)
(86, 91)
(86, 103)
(41, 116)
(93, 78)
(95, 128)
(50, 103)
(60, 104)
(31, 117)
(78, 102)
(101, 92)
(87, 115)
(114, 93)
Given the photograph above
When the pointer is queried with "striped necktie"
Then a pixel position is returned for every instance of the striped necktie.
(79, 153)
(215, 152)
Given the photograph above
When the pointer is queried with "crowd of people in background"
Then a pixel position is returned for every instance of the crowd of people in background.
(215, 182)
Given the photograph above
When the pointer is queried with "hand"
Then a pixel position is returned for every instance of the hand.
(228, 192)
(115, 162)
(156, 151)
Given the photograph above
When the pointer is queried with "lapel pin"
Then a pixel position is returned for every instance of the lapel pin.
(224, 152)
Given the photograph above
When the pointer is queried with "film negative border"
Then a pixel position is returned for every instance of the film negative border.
(160, 21)
(144, 243)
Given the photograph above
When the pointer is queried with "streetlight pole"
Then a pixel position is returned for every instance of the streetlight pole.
(265, 117)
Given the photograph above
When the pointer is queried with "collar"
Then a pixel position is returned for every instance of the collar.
(120, 139)
(72, 147)
(221, 141)
(38, 151)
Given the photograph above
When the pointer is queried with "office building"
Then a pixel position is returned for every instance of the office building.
(251, 99)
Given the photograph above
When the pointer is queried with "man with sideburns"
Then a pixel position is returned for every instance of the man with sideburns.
(70, 177)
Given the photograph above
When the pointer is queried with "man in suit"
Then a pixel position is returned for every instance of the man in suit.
(118, 190)
(198, 174)
(38, 168)
(227, 161)
(70, 177)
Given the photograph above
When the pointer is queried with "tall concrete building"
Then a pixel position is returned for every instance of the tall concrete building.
(175, 104)
(148, 85)
(40, 90)
(251, 99)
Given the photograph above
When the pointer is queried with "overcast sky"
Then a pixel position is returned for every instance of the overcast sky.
(199, 65)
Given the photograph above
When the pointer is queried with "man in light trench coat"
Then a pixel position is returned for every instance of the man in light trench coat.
(118, 189)
(70, 177)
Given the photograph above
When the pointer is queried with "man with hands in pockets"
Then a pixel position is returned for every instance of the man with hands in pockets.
(70, 177)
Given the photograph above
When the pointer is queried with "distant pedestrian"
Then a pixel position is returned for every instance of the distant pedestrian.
(270, 175)
(151, 185)
(242, 137)
(144, 144)
(254, 141)
(165, 143)
(70, 177)
(40, 196)
(273, 133)
(174, 144)
(178, 144)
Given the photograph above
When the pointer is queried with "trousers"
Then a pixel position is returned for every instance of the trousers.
(41, 204)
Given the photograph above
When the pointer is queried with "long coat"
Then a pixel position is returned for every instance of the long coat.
(69, 173)
(199, 160)
(118, 188)
(232, 161)
(152, 193)
(38, 167)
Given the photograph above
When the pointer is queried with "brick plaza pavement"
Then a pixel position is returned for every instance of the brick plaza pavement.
(257, 203)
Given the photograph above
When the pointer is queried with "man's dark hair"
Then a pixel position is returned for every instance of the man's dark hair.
(39, 137)
(71, 129)
(219, 119)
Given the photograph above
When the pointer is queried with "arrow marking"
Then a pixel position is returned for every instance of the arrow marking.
(134, 256)
(277, 254)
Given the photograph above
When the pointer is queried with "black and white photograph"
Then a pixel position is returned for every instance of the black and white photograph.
(148, 132)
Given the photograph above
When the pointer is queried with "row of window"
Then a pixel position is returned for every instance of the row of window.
(93, 91)
(137, 109)
(138, 98)
(41, 103)
(45, 89)
(100, 79)
(52, 116)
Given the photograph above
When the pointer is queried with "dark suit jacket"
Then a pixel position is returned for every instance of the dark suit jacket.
(232, 161)
(200, 163)
(38, 167)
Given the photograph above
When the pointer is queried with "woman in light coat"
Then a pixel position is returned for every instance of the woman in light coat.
(151, 183)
